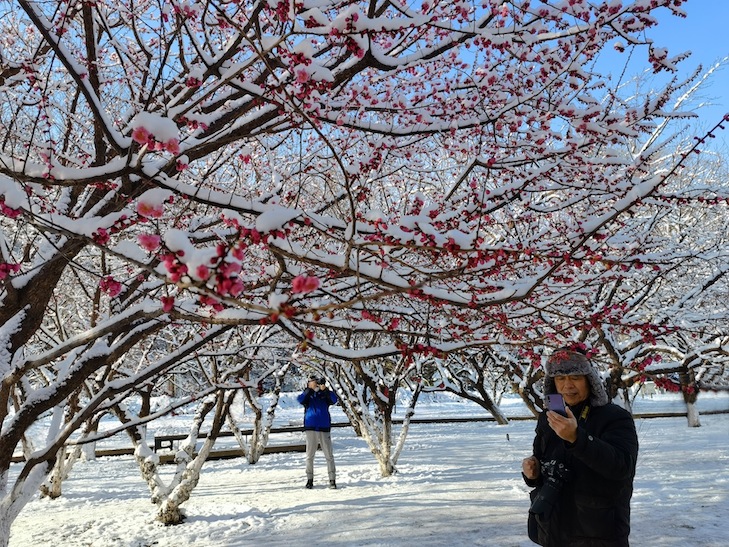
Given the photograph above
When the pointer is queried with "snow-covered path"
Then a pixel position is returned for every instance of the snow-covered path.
(458, 484)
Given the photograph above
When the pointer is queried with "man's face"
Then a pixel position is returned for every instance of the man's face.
(574, 389)
(312, 384)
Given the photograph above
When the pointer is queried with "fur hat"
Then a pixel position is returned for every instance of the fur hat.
(567, 362)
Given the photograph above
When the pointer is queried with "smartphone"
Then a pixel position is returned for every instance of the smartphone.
(555, 402)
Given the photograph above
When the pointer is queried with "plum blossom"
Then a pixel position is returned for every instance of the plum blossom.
(202, 272)
(172, 146)
(229, 269)
(168, 302)
(156, 132)
(110, 286)
(7, 269)
(142, 136)
(151, 203)
(175, 269)
(302, 75)
(149, 242)
(303, 284)
(150, 210)
(9, 211)
(101, 236)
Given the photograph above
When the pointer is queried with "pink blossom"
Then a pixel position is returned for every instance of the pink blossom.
(211, 302)
(110, 286)
(173, 146)
(7, 269)
(202, 272)
(101, 236)
(9, 211)
(175, 270)
(141, 135)
(235, 287)
(168, 302)
(229, 269)
(150, 210)
(303, 284)
(149, 242)
(302, 75)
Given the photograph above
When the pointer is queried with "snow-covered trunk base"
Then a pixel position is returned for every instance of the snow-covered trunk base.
(13, 499)
(368, 398)
(53, 488)
(65, 460)
(487, 402)
(387, 468)
(378, 436)
(690, 395)
(170, 497)
(170, 512)
(692, 414)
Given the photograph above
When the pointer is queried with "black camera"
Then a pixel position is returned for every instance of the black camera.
(321, 381)
(555, 476)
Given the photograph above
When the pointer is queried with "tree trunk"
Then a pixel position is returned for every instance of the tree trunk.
(4, 529)
(690, 395)
(692, 414)
(189, 465)
(406, 423)
(377, 433)
(13, 501)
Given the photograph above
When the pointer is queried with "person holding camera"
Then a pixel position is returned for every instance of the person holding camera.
(583, 461)
(317, 399)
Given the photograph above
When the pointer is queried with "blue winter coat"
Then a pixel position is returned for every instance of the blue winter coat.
(316, 404)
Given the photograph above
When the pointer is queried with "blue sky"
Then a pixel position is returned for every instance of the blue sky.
(706, 34)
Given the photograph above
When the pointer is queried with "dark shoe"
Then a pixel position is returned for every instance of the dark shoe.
(333, 485)
(310, 484)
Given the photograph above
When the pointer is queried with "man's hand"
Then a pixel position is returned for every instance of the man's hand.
(564, 426)
(530, 467)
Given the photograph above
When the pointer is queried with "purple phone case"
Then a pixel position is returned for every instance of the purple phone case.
(556, 403)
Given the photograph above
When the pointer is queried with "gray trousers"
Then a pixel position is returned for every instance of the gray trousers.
(315, 439)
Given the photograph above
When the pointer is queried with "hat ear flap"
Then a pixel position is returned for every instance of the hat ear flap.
(598, 393)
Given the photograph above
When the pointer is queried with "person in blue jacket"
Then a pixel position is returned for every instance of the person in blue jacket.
(317, 399)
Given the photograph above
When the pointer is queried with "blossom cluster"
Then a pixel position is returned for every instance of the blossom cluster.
(110, 286)
(9, 211)
(143, 137)
(7, 269)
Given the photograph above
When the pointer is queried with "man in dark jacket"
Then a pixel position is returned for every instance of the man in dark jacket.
(317, 399)
(583, 463)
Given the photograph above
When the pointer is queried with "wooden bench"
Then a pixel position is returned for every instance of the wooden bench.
(166, 442)
(229, 453)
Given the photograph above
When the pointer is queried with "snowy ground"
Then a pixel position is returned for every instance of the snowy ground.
(457, 485)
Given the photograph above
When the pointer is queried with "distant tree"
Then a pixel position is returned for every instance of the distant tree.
(480, 375)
